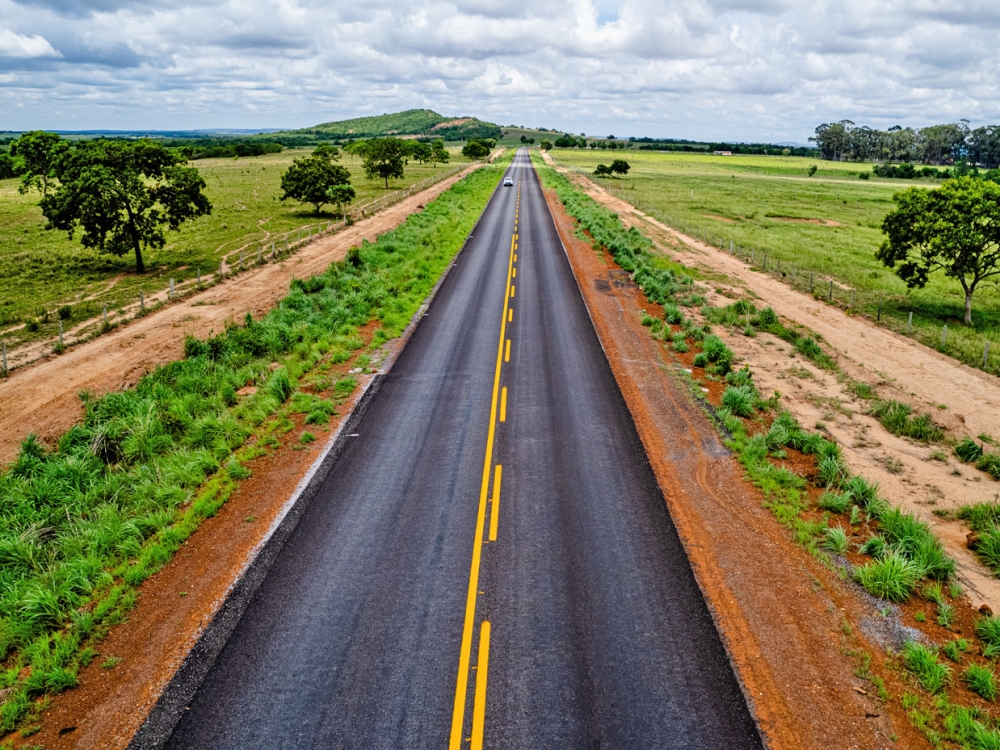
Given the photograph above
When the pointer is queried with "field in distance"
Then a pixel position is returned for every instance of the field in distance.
(828, 224)
(42, 270)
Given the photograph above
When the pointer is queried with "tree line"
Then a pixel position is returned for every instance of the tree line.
(937, 144)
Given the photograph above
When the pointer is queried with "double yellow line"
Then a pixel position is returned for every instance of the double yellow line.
(465, 656)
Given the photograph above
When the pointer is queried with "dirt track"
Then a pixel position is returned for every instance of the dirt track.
(964, 400)
(42, 398)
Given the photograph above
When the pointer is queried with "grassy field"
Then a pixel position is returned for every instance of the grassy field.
(42, 270)
(828, 225)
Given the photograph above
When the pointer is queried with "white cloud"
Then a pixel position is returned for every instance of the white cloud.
(737, 69)
(22, 46)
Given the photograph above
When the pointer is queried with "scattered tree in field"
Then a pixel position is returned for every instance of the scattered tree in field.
(122, 194)
(310, 177)
(620, 166)
(476, 149)
(7, 170)
(340, 196)
(438, 153)
(420, 151)
(813, 169)
(545, 145)
(603, 170)
(35, 155)
(954, 229)
(384, 158)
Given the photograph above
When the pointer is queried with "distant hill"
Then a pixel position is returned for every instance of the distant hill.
(413, 122)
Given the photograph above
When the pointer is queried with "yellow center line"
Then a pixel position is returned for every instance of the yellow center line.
(495, 505)
(506, 354)
(511, 289)
(479, 706)
(465, 655)
(503, 399)
(510, 315)
(515, 273)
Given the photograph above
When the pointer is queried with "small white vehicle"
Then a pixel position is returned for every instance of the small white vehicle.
(508, 181)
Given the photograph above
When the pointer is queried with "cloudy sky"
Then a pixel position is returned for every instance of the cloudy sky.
(737, 69)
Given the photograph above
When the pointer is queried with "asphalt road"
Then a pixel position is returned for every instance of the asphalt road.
(490, 562)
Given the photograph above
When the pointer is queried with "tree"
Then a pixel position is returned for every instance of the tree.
(420, 151)
(954, 229)
(603, 170)
(340, 195)
(475, 149)
(310, 177)
(545, 145)
(439, 153)
(620, 166)
(35, 156)
(384, 158)
(123, 194)
(326, 151)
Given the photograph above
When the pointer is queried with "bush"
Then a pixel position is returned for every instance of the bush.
(988, 630)
(835, 502)
(895, 417)
(767, 317)
(990, 463)
(742, 378)
(835, 540)
(891, 578)
(922, 662)
(981, 680)
(968, 451)
(65, 312)
(738, 400)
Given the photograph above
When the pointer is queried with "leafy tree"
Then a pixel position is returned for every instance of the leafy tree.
(7, 170)
(122, 194)
(420, 151)
(475, 149)
(340, 196)
(954, 229)
(603, 170)
(384, 158)
(545, 145)
(326, 151)
(310, 177)
(439, 153)
(620, 166)
(35, 155)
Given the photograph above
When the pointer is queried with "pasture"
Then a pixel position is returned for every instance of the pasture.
(42, 270)
(827, 224)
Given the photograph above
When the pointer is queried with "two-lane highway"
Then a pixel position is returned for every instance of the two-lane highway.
(490, 563)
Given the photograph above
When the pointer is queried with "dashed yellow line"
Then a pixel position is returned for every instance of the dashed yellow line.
(506, 354)
(482, 670)
(503, 404)
(495, 504)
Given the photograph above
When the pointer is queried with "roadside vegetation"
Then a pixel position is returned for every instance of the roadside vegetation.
(85, 522)
(822, 227)
(840, 518)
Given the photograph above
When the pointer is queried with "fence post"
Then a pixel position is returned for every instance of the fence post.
(944, 336)
(258, 254)
(878, 312)
(222, 273)
(199, 278)
(765, 262)
(795, 273)
(171, 288)
(810, 283)
(105, 314)
(60, 334)
(830, 295)
(730, 247)
(142, 302)
(241, 260)
(986, 356)
(3, 352)
(751, 257)
(909, 323)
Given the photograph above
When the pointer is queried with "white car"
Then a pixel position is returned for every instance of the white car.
(508, 181)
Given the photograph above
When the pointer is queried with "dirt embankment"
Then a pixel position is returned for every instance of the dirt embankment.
(917, 477)
(779, 611)
(42, 398)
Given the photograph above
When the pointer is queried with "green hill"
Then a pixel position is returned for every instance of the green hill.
(413, 122)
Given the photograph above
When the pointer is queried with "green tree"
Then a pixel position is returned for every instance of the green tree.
(326, 151)
(122, 194)
(384, 158)
(954, 229)
(420, 151)
(603, 170)
(475, 149)
(310, 177)
(545, 145)
(340, 196)
(35, 155)
(439, 153)
(620, 166)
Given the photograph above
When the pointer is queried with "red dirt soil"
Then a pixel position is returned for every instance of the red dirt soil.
(779, 611)
(42, 397)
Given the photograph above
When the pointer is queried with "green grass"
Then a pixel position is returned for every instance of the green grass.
(88, 521)
(981, 680)
(43, 271)
(753, 196)
(922, 662)
(898, 419)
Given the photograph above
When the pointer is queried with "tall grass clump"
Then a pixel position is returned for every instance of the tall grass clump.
(892, 577)
(86, 521)
(897, 418)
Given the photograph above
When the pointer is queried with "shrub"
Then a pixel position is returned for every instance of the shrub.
(891, 578)
(895, 417)
(740, 378)
(701, 360)
(988, 549)
(990, 463)
(988, 630)
(738, 400)
(875, 546)
(968, 451)
(981, 680)
(280, 385)
(981, 516)
(65, 312)
(835, 502)
(767, 317)
(922, 662)
(835, 540)
(831, 471)
(861, 491)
